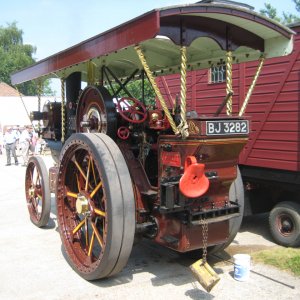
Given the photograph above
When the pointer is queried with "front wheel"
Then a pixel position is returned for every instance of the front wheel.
(284, 222)
(37, 191)
(95, 205)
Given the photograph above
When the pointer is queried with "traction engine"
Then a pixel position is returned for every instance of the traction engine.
(127, 167)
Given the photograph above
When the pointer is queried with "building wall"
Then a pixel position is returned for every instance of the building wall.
(13, 112)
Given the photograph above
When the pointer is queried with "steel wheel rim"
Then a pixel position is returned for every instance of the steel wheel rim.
(285, 225)
(82, 208)
(34, 192)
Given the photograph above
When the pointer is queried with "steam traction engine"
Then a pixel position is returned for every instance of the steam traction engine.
(126, 167)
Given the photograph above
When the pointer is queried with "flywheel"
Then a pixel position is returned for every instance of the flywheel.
(96, 112)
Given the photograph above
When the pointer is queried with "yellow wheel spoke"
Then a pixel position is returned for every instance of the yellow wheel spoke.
(87, 175)
(100, 212)
(86, 233)
(79, 168)
(96, 189)
(78, 183)
(91, 244)
(78, 226)
(73, 195)
(93, 170)
(98, 236)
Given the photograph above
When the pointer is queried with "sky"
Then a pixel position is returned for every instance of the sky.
(54, 25)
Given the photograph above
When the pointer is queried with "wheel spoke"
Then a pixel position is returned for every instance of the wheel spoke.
(98, 236)
(78, 226)
(100, 212)
(79, 168)
(37, 179)
(94, 174)
(96, 189)
(73, 195)
(86, 233)
(78, 183)
(91, 244)
(31, 176)
(34, 203)
(87, 175)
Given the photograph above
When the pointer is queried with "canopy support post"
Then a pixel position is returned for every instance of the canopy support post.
(183, 127)
(229, 82)
(251, 88)
(62, 81)
(156, 89)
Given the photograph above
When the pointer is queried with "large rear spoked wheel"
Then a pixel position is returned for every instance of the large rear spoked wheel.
(95, 205)
(37, 191)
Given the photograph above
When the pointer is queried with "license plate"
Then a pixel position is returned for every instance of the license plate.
(227, 127)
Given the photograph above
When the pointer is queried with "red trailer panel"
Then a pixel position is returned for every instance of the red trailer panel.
(274, 107)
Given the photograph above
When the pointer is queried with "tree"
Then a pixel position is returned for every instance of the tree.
(14, 55)
(135, 89)
(297, 3)
(287, 18)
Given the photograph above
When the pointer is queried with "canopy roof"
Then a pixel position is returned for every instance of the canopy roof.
(207, 28)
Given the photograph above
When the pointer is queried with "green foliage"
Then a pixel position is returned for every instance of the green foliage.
(14, 55)
(287, 18)
(282, 258)
(135, 89)
(297, 4)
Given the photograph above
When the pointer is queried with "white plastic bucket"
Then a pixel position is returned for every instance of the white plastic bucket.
(241, 266)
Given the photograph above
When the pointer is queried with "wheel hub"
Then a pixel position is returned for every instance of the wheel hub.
(287, 226)
(31, 192)
(82, 204)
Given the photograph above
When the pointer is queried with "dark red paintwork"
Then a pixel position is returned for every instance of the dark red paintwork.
(172, 22)
(274, 107)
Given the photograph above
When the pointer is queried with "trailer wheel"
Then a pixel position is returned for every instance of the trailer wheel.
(95, 205)
(284, 222)
(37, 191)
(236, 194)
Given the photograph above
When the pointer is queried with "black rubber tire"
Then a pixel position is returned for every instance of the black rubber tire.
(287, 212)
(236, 194)
(119, 222)
(39, 218)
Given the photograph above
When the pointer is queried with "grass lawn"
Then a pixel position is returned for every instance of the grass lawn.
(280, 257)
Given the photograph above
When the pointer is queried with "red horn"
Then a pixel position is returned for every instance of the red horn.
(193, 182)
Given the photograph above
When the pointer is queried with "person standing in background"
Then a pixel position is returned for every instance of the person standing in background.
(25, 140)
(10, 146)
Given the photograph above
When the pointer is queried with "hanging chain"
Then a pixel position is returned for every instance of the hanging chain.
(183, 127)
(156, 89)
(204, 225)
(229, 82)
(249, 93)
(62, 81)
